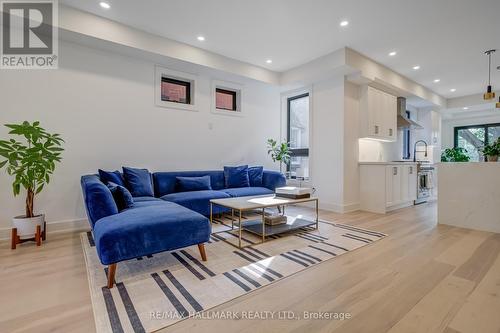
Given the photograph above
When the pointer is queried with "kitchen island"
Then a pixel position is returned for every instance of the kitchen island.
(469, 195)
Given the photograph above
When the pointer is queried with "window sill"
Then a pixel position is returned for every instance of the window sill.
(227, 112)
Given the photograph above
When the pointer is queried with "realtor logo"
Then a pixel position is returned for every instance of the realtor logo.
(29, 35)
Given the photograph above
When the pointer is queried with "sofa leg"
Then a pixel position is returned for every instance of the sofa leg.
(111, 275)
(201, 247)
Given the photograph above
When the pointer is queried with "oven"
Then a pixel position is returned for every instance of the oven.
(424, 183)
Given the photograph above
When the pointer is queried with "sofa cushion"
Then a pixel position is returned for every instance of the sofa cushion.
(186, 184)
(236, 176)
(98, 199)
(255, 175)
(111, 176)
(138, 181)
(147, 230)
(122, 196)
(165, 182)
(141, 199)
(247, 191)
(199, 201)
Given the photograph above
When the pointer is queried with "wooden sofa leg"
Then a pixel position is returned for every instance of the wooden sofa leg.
(111, 275)
(201, 247)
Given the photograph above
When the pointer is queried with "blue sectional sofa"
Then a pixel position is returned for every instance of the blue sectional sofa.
(169, 220)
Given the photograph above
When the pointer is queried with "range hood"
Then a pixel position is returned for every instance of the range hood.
(403, 120)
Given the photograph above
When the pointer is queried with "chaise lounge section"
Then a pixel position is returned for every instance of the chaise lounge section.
(169, 220)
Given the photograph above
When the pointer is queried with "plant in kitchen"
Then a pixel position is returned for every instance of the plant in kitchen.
(280, 152)
(491, 151)
(456, 154)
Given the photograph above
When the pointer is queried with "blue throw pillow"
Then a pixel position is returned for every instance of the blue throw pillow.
(111, 176)
(121, 195)
(236, 176)
(186, 184)
(255, 175)
(138, 182)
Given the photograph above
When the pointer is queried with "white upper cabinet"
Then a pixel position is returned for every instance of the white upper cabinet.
(378, 114)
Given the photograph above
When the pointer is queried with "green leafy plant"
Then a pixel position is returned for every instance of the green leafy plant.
(32, 161)
(455, 155)
(280, 152)
(492, 149)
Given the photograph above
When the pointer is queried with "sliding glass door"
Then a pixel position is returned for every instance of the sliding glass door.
(473, 138)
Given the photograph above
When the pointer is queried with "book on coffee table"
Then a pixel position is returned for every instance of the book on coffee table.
(293, 192)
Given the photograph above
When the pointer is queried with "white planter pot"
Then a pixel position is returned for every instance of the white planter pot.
(26, 226)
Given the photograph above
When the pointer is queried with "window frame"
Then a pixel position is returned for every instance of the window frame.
(407, 139)
(160, 74)
(486, 134)
(238, 89)
(233, 93)
(297, 152)
(185, 83)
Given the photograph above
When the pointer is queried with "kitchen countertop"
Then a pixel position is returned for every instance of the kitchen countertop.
(387, 163)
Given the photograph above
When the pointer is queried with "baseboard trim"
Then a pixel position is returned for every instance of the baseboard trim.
(339, 208)
(54, 227)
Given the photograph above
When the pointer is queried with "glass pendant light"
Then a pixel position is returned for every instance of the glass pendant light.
(489, 93)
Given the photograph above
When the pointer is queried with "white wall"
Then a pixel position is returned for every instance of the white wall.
(102, 104)
(327, 148)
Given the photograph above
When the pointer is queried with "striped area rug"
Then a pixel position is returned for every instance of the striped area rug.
(158, 290)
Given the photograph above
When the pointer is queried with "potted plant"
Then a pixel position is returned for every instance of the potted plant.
(279, 152)
(456, 154)
(31, 161)
(491, 151)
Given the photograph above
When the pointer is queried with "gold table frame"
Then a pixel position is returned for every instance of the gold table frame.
(252, 204)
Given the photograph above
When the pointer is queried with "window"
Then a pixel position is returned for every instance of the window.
(298, 135)
(473, 138)
(406, 139)
(176, 91)
(225, 99)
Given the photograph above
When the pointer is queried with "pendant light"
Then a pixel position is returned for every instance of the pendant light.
(498, 104)
(489, 94)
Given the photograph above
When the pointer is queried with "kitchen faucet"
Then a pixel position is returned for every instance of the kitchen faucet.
(415, 149)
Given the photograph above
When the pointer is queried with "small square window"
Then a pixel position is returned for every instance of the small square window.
(225, 99)
(176, 91)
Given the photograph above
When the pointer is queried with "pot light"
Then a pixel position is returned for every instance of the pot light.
(416, 68)
(437, 80)
(269, 61)
(393, 53)
(104, 5)
(200, 38)
(466, 108)
(344, 23)
(453, 90)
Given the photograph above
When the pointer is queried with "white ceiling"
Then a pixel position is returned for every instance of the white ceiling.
(446, 38)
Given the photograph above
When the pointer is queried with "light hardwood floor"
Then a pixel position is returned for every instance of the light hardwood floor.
(422, 278)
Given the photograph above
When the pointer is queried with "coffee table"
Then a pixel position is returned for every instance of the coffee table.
(258, 226)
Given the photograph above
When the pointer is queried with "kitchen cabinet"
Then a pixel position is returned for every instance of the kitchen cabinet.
(378, 114)
(386, 186)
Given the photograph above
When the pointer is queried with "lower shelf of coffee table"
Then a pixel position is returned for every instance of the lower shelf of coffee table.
(255, 226)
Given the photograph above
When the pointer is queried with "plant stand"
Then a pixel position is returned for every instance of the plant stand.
(39, 236)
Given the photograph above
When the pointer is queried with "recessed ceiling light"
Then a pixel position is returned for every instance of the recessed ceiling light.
(465, 108)
(416, 67)
(437, 80)
(269, 61)
(393, 53)
(453, 90)
(344, 23)
(104, 5)
(200, 38)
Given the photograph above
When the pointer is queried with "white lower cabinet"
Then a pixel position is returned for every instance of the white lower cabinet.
(384, 187)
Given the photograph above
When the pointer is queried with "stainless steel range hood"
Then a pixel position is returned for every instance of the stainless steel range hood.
(403, 121)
